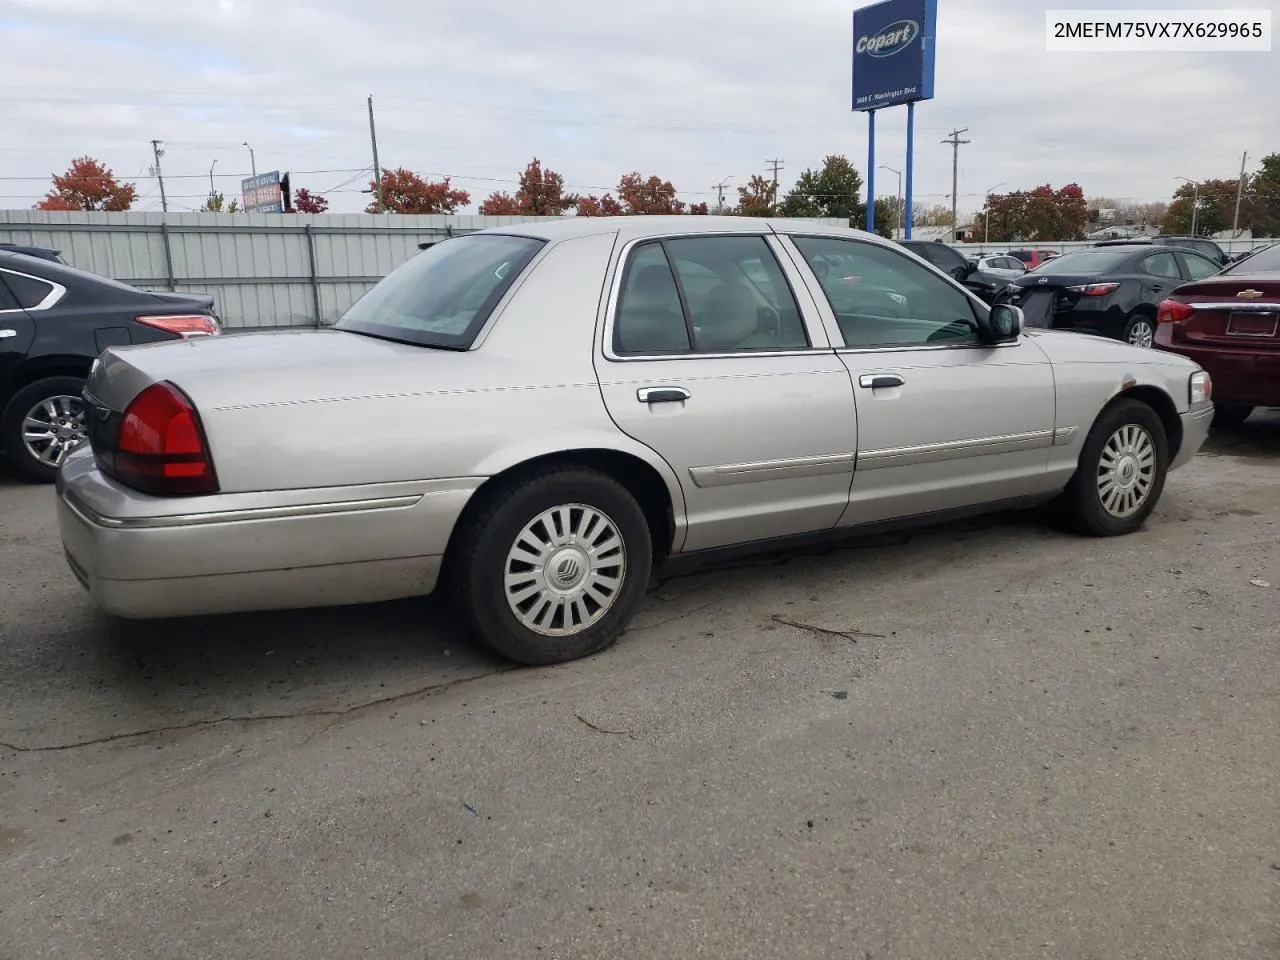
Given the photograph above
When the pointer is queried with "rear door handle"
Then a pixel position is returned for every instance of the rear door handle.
(875, 381)
(662, 394)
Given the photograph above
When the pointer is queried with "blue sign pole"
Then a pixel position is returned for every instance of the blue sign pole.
(893, 64)
(871, 171)
(911, 151)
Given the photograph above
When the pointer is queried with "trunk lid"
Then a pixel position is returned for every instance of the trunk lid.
(1237, 311)
(1041, 295)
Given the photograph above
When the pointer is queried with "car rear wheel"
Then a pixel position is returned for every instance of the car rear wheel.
(1140, 331)
(552, 565)
(1121, 472)
(43, 422)
(1229, 416)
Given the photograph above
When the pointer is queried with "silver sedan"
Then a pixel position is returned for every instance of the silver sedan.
(535, 417)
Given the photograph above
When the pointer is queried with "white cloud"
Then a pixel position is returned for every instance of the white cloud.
(693, 92)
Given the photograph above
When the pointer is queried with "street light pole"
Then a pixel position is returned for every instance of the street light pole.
(1195, 202)
(986, 205)
(253, 164)
(211, 190)
(897, 220)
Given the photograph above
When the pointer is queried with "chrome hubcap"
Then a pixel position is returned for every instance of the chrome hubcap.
(1142, 335)
(1126, 471)
(565, 570)
(53, 428)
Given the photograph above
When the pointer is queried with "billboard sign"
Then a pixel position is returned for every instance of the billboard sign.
(893, 53)
(262, 194)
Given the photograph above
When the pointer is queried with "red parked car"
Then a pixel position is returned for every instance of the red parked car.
(1033, 258)
(1230, 325)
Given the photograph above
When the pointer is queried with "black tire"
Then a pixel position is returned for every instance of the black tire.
(1139, 322)
(1229, 416)
(1082, 504)
(28, 466)
(478, 563)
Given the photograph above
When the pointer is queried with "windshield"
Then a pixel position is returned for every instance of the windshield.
(1085, 261)
(1264, 261)
(444, 295)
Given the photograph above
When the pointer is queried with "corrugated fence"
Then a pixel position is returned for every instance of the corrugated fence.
(264, 270)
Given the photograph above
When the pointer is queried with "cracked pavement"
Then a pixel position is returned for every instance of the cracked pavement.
(990, 740)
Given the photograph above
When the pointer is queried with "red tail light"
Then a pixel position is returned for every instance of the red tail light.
(1172, 311)
(161, 447)
(184, 325)
(1094, 289)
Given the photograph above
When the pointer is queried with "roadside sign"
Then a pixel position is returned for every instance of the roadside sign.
(893, 53)
(262, 194)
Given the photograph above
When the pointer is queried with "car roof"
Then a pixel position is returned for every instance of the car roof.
(639, 227)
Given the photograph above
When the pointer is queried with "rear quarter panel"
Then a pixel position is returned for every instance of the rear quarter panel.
(526, 389)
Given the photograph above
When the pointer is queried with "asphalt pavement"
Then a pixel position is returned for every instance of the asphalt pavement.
(993, 740)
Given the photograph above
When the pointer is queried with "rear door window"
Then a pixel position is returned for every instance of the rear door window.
(1161, 265)
(1199, 268)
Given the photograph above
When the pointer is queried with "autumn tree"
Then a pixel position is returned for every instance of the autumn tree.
(88, 185)
(404, 191)
(832, 191)
(699, 209)
(757, 199)
(1039, 214)
(540, 194)
(304, 201)
(653, 196)
(591, 206)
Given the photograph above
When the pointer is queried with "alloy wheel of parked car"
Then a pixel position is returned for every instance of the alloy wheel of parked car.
(42, 424)
(1121, 471)
(551, 565)
(1140, 332)
(565, 569)
(1126, 471)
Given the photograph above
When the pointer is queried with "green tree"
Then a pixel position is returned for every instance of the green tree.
(1214, 203)
(833, 191)
(1263, 201)
(217, 203)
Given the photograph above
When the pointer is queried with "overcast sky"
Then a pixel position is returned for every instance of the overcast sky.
(692, 90)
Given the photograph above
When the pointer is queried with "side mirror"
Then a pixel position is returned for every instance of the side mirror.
(1004, 323)
(962, 271)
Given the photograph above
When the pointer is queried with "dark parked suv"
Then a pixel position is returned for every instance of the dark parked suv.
(54, 322)
(953, 262)
(1206, 248)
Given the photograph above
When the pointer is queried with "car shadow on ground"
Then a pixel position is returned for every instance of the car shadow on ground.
(1257, 437)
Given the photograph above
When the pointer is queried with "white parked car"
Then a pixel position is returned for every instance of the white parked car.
(537, 416)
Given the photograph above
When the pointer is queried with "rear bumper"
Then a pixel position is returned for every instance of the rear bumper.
(357, 545)
(1240, 377)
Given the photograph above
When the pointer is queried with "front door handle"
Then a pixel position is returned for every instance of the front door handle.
(662, 394)
(6, 334)
(875, 381)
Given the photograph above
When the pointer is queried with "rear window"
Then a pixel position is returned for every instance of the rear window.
(1085, 261)
(1023, 255)
(444, 295)
(1264, 261)
(27, 291)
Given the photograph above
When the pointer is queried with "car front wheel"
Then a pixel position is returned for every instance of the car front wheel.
(1121, 472)
(43, 422)
(1229, 416)
(552, 565)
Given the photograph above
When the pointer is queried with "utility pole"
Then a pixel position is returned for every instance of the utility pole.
(777, 165)
(719, 189)
(955, 141)
(1235, 221)
(377, 170)
(155, 149)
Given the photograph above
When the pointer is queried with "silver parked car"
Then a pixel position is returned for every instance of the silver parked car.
(1002, 265)
(536, 416)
